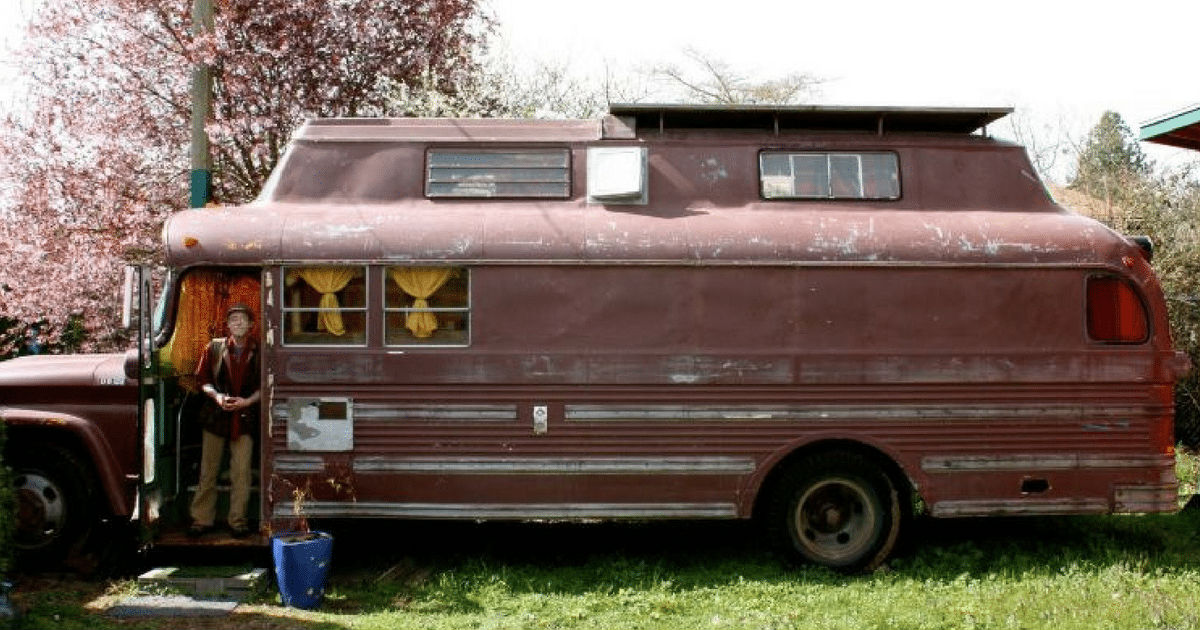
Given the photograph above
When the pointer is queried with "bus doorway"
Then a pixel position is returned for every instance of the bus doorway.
(197, 307)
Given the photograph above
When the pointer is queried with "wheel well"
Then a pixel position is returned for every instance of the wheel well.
(26, 437)
(889, 466)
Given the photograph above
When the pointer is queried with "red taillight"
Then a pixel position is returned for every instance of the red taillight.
(1114, 311)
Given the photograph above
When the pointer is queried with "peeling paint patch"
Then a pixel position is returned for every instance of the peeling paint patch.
(320, 424)
(712, 171)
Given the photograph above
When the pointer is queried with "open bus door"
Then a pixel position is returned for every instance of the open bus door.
(154, 454)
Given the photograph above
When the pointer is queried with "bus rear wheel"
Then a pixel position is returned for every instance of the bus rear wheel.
(837, 509)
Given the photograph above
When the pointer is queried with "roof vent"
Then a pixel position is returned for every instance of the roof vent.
(617, 175)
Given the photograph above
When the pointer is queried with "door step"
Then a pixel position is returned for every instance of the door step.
(230, 584)
(220, 538)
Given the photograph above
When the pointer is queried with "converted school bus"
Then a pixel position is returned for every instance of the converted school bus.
(813, 315)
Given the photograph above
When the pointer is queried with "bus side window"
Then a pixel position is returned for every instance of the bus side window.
(427, 306)
(325, 306)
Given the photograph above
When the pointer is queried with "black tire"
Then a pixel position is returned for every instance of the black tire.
(837, 509)
(54, 501)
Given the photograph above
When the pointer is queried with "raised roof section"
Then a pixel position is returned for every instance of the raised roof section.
(625, 120)
(960, 120)
(448, 130)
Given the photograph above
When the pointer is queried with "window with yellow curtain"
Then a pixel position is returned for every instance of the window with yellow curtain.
(427, 306)
(324, 305)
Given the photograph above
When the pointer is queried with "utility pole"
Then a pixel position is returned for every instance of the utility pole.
(201, 180)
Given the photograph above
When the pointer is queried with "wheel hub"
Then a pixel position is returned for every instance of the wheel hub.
(835, 519)
(41, 510)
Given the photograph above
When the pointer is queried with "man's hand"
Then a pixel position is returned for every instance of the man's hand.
(233, 403)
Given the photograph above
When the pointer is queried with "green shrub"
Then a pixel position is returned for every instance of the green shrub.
(1129, 195)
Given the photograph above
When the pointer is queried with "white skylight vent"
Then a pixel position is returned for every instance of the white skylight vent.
(617, 175)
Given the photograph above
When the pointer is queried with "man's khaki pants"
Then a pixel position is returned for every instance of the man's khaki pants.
(204, 504)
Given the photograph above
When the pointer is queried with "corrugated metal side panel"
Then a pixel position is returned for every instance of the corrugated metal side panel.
(482, 461)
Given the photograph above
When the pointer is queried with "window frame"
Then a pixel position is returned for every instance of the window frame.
(568, 170)
(285, 310)
(386, 311)
(829, 155)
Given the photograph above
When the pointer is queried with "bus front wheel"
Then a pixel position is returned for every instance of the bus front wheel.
(53, 502)
(837, 509)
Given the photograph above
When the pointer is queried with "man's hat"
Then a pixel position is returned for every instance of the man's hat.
(240, 308)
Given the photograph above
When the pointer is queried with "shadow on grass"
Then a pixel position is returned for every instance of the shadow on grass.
(1051, 545)
(452, 569)
(440, 567)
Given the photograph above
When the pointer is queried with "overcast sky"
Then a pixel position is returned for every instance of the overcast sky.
(1059, 62)
(13, 14)
(1046, 52)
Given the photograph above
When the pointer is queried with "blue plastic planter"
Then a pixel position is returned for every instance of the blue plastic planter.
(301, 564)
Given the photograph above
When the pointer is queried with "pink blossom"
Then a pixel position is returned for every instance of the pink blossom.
(99, 156)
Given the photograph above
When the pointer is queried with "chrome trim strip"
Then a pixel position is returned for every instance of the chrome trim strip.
(558, 465)
(592, 413)
(299, 464)
(1066, 461)
(339, 509)
(1019, 507)
(381, 411)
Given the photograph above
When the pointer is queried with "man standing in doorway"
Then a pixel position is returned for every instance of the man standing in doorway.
(228, 374)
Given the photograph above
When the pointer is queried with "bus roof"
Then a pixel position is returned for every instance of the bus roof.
(627, 121)
(812, 117)
(519, 232)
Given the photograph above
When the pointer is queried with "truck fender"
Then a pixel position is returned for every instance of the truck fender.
(99, 452)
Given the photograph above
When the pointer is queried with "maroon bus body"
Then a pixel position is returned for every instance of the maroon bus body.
(704, 353)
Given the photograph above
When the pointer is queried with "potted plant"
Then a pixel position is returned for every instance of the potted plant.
(301, 559)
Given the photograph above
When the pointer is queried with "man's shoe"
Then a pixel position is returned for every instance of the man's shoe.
(239, 532)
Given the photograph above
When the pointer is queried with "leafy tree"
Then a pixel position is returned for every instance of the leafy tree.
(98, 156)
(1134, 199)
(1110, 162)
(1166, 207)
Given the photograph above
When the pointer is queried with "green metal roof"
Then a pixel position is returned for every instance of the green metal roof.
(1178, 129)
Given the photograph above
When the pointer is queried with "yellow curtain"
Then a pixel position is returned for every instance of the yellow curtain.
(199, 299)
(328, 281)
(420, 283)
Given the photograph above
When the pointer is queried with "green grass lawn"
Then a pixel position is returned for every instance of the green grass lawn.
(1071, 572)
(1110, 572)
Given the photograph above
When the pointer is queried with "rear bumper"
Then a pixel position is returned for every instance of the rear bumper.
(1147, 498)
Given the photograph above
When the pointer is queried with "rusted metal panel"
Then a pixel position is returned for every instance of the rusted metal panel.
(107, 432)
(1019, 507)
(516, 511)
(1041, 462)
(528, 234)
(703, 208)
(478, 461)
(320, 424)
(582, 465)
(661, 360)
(1146, 498)
(475, 130)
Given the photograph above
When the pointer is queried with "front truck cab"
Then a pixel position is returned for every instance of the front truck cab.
(80, 437)
(814, 315)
